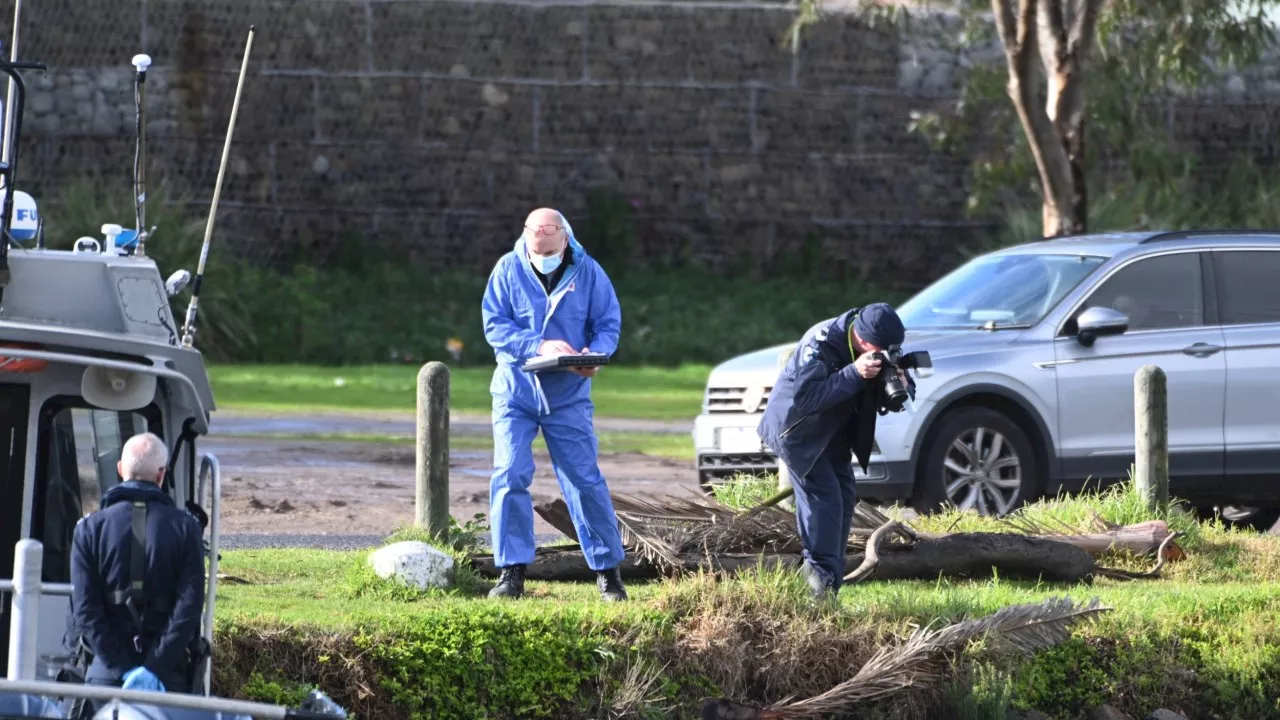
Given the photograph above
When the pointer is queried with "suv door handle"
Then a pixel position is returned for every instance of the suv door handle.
(1201, 350)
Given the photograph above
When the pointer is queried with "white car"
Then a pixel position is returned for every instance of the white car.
(1034, 352)
(724, 434)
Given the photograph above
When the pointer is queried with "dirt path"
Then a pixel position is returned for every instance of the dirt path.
(355, 488)
(392, 423)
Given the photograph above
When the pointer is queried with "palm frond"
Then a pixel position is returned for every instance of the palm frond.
(1048, 527)
(649, 548)
(922, 659)
(670, 532)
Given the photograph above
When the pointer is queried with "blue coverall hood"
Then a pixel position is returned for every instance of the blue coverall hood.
(521, 247)
(519, 314)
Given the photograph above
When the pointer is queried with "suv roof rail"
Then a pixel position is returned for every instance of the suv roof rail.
(1186, 234)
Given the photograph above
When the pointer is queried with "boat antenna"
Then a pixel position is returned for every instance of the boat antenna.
(9, 153)
(189, 327)
(141, 62)
(7, 156)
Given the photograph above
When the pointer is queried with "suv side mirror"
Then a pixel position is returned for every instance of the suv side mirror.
(1098, 322)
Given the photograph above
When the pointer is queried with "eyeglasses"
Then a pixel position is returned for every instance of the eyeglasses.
(544, 229)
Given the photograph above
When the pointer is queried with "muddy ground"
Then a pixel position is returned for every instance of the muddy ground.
(324, 487)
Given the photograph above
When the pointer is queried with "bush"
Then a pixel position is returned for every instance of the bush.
(363, 307)
(754, 638)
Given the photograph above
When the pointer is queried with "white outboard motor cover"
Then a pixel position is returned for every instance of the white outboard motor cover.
(24, 218)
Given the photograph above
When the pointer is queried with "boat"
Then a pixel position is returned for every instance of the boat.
(91, 353)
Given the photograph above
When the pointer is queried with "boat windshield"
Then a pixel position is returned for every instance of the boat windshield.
(997, 291)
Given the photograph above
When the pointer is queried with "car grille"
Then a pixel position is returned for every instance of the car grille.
(738, 463)
(731, 399)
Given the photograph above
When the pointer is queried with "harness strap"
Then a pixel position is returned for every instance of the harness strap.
(135, 596)
(121, 597)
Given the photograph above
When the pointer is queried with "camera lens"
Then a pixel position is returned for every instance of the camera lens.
(895, 392)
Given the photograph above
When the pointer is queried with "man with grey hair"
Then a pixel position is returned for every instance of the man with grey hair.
(137, 571)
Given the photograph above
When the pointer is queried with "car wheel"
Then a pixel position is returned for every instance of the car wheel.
(978, 459)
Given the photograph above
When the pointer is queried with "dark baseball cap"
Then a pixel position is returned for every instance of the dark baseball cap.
(880, 325)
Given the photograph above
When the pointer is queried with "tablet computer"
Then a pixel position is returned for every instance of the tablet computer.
(543, 363)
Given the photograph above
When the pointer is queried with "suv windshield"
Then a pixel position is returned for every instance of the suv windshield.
(997, 291)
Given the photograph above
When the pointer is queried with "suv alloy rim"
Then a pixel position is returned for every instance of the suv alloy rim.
(982, 471)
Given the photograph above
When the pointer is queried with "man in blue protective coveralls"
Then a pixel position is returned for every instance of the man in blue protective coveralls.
(139, 640)
(821, 409)
(549, 297)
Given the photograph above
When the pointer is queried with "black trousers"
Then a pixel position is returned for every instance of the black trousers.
(825, 497)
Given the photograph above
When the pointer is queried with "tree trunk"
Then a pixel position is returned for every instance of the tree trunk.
(1065, 110)
(1062, 31)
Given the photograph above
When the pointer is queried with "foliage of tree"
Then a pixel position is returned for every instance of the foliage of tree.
(1077, 74)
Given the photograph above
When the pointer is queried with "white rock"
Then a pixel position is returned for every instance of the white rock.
(417, 564)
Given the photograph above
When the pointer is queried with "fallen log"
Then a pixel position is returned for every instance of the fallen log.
(1143, 538)
(965, 555)
(969, 555)
(556, 513)
(564, 563)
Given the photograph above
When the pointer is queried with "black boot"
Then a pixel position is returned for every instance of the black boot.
(510, 583)
(610, 584)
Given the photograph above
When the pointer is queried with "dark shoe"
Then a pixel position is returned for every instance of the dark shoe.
(610, 584)
(818, 587)
(510, 583)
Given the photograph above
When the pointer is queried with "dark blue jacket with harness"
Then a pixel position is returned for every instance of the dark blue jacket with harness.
(811, 401)
(167, 605)
(819, 397)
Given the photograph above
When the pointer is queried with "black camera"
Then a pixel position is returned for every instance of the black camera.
(894, 388)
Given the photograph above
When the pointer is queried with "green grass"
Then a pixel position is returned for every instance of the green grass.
(1218, 625)
(669, 394)
(1203, 637)
(676, 446)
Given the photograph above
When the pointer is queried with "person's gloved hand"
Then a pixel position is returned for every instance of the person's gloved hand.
(140, 678)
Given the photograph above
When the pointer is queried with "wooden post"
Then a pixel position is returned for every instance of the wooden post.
(431, 467)
(1151, 430)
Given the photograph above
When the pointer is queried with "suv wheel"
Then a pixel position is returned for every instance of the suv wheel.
(979, 460)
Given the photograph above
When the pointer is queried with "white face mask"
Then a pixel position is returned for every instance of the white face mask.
(545, 265)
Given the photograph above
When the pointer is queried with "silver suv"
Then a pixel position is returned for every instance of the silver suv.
(1035, 348)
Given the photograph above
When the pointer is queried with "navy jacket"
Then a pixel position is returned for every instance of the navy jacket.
(813, 400)
(100, 561)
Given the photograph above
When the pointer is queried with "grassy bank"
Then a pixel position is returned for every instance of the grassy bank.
(646, 393)
(1203, 639)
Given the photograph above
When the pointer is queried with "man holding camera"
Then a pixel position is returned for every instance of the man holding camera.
(822, 412)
